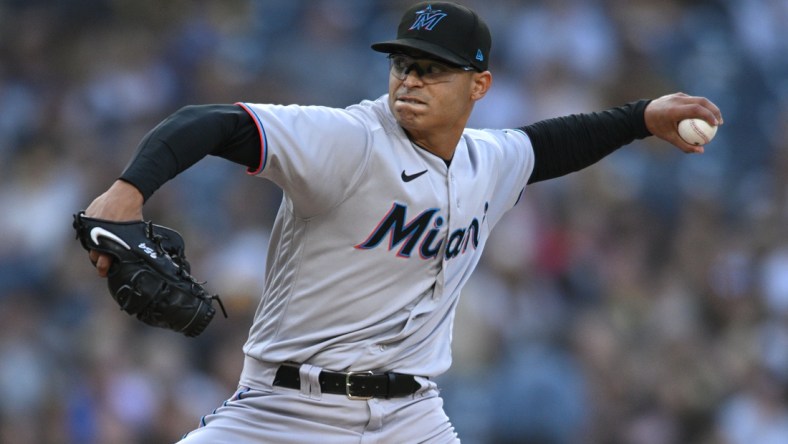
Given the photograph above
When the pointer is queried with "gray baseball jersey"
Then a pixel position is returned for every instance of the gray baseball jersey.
(375, 236)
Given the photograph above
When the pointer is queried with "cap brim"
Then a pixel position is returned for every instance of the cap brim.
(403, 45)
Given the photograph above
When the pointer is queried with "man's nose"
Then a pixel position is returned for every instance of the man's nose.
(413, 74)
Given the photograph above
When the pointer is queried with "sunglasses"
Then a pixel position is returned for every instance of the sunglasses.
(429, 71)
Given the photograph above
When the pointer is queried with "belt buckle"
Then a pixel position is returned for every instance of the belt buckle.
(349, 384)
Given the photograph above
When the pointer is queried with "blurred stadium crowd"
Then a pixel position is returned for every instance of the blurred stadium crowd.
(643, 300)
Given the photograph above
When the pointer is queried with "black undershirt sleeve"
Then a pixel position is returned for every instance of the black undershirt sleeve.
(189, 135)
(566, 144)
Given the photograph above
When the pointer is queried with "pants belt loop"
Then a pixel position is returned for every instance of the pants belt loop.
(314, 382)
(310, 382)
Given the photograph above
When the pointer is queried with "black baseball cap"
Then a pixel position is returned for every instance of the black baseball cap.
(444, 30)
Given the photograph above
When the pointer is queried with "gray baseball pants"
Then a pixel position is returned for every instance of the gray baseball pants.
(271, 414)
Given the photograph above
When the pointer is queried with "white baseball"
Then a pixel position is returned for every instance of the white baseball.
(696, 131)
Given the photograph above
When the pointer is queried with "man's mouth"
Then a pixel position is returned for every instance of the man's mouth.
(410, 100)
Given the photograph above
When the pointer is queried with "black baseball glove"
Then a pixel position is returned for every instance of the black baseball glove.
(149, 277)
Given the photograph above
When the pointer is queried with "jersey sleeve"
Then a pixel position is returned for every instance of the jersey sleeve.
(513, 163)
(518, 158)
(315, 154)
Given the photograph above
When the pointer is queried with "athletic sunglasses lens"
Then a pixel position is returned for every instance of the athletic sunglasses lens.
(429, 71)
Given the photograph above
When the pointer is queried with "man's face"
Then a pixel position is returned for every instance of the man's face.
(428, 95)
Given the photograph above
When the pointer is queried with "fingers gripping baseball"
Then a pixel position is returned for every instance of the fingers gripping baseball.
(664, 114)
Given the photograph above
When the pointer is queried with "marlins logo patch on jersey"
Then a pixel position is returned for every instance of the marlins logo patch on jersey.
(427, 18)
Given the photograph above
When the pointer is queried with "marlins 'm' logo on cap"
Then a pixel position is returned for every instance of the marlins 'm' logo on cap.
(443, 30)
(427, 18)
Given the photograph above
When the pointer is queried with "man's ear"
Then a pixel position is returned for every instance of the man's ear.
(481, 84)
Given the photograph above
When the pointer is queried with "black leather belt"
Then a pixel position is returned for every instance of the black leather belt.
(354, 385)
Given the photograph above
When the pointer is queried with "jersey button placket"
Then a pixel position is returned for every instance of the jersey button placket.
(439, 279)
(452, 188)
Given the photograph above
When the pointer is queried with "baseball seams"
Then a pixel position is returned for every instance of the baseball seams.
(696, 131)
(699, 132)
